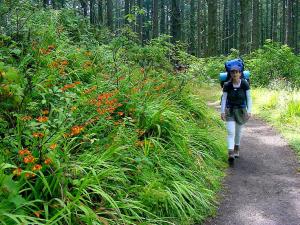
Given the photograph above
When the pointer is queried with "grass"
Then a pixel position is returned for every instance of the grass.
(281, 109)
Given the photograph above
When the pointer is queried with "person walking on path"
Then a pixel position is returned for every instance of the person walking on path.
(236, 107)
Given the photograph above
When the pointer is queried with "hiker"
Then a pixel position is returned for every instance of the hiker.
(235, 109)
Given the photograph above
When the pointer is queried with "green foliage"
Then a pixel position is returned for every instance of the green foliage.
(273, 62)
(102, 134)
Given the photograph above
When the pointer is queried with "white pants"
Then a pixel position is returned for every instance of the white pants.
(234, 132)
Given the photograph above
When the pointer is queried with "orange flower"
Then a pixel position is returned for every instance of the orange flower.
(29, 159)
(48, 161)
(139, 143)
(54, 64)
(51, 47)
(29, 175)
(43, 51)
(42, 119)
(17, 171)
(73, 108)
(26, 118)
(66, 135)
(53, 146)
(45, 112)
(90, 90)
(38, 135)
(37, 167)
(67, 86)
(87, 64)
(88, 53)
(120, 113)
(76, 130)
(24, 151)
(38, 213)
(64, 62)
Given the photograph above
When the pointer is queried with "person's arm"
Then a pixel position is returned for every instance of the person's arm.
(249, 101)
(223, 102)
(223, 105)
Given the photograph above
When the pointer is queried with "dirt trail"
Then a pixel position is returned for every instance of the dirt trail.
(263, 186)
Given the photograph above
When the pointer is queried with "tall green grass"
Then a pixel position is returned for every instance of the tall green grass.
(281, 108)
(115, 137)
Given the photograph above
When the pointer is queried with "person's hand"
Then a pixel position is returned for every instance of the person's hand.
(223, 116)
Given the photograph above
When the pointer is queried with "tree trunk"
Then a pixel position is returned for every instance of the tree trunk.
(54, 4)
(175, 21)
(267, 23)
(162, 17)
(255, 25)
(297, 28)
(225, 32)
(155, 19)
(109, 11)
(84, 7)
(236, 21)
(275, 21)
(244, 5)
(45, 3)
(100, 12)
(199, 27)
(182, 19)
(192, 49)
(92, 12)
(290, 25)
(262, 25)
(140, 21)
(212, 28)
(231, 24)
(126, 11)
(283, 25)
(146, 33)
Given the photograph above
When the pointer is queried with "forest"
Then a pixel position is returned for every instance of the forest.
(103, 104)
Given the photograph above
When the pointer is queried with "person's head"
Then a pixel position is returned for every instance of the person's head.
(235, 73)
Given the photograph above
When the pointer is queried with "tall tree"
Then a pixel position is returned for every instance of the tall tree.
(290, 23)
(155, 19)
(212, 28)
(225, 32)
(182, 19)
(109, 12)
(126, 11)
(100, 12)
(199, 27)
(84, 7)
(162, 17)
(244, 5)
(192, 49)
(140, 21)
(175, 21)
(92, 12)
(45, 3)
(297, 27)
(146, 32)
(275, 20)
(255, 25)
(283, 22)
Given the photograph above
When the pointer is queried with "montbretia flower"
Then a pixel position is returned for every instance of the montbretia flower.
(37, 167)
(17, 171)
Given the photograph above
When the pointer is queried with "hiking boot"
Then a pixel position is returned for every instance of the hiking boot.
(230, 156)
(236, 151)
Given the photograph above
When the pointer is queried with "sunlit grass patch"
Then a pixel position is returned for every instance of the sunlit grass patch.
(282, 109)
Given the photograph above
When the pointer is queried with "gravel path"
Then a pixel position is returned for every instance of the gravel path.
(263, 185)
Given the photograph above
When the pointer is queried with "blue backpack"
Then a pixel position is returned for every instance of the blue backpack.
(225, 76)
